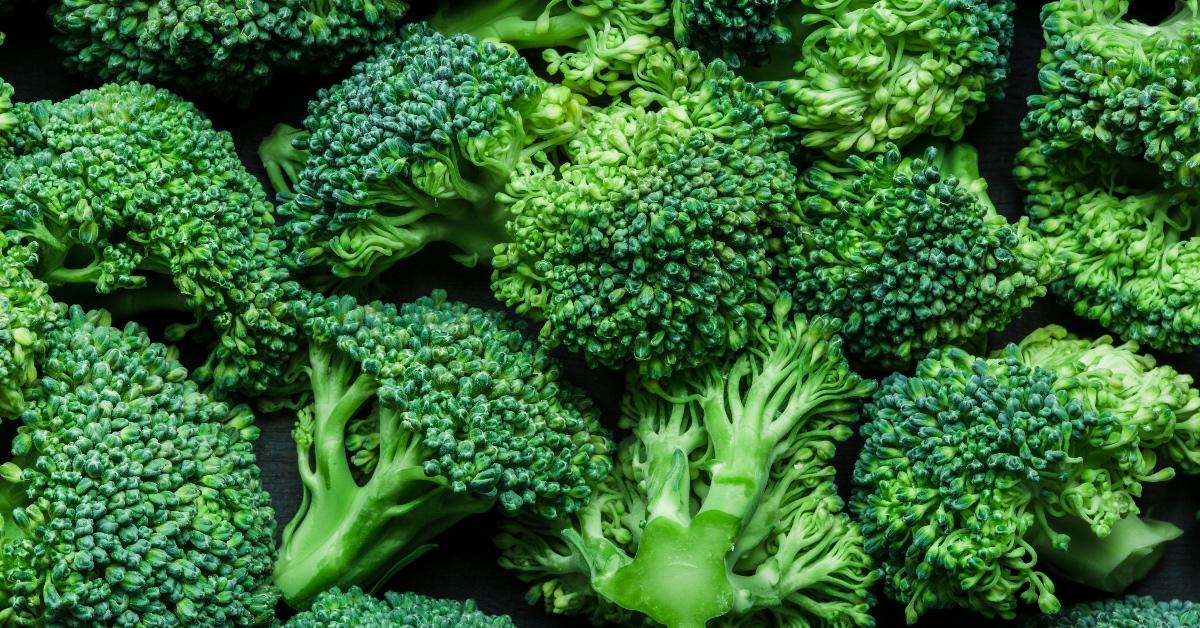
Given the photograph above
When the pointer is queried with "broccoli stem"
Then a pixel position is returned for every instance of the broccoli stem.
(519, 23)
(1111, 563)
(126, 303)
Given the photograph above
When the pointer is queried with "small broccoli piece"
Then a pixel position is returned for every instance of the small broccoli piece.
(645, 241)
(461, 411)
(335, 609)
(1127, 241)
(852, 75)
(26, 312)
(217, 48)
(591, 43)
(978, 473)
(736, 31)
(129, 192)
(1128, 612)
(412, 149)
(909, 252)
(132, 498)
(722, 507)
(1119, 84)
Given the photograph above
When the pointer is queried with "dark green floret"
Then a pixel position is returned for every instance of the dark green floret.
(411, 149)
(355, 609)
(909, 252)
(421, 416)
(132, 498)
(1134, 611)
(136, 203)
(722, 509)
(643, 240)
(220, 48)
(735, 31)
(980, 477)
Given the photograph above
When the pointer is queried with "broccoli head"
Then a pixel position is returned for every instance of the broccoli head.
(722, 509)
(353, 608)
(132, 498)
(735, 31)
(1121, 85)
(217, 47)
(129, 192)
(26, 312)
(1126, 239)
(978, 473)
(412, 149)
(852, 75)
(909, 252)
(646, 241)
(421, 416)
(1134, 611)
(590, 43)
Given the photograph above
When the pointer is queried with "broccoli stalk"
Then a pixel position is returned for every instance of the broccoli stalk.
(723, 509)
(418, 418)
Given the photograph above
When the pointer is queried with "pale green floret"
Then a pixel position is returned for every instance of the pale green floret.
(722, 510)
(981, 477)
(26, 312)
(131, 498)
(419, 417)
(355, 609)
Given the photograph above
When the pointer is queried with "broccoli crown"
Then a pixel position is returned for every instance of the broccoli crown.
(128, 184)
(217, 47)
(26, 311)
(137, 499)
(909, 252)
(646, 243)
(420, 416)
(353, 608)
(1133, 611)
(978, 472)
(1119, 84)
(412, 148)
(591, 43)
(722, 510)
(735, 31)
(862, 73)
(1125, 238)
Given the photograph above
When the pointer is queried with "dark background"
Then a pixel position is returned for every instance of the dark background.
(464, 564)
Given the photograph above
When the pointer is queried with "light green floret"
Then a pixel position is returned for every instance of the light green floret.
(26, 312)
(980, 477)
(419, 417)
(909, 252)
(355, 609)
(645, 241)
(131, 498)
(1134, 611)
(1127, 240)
(722, 510)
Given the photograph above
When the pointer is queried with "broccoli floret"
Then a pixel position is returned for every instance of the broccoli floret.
(1129, 612)
(1119, 84)
(130, 192)
(219, 48)
(132, 498)
(591, 43)
(462, 411)
(735, 31)
(645, 241)
(722, 506)
(1126, 238)
(978, 473)
(355, 609)
(412, 149)
(909, 252)
(853, 75)
(26, 312)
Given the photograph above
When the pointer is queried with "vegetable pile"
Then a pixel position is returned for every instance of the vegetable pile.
(762, 214)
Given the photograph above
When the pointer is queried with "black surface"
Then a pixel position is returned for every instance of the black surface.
(464, 564)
